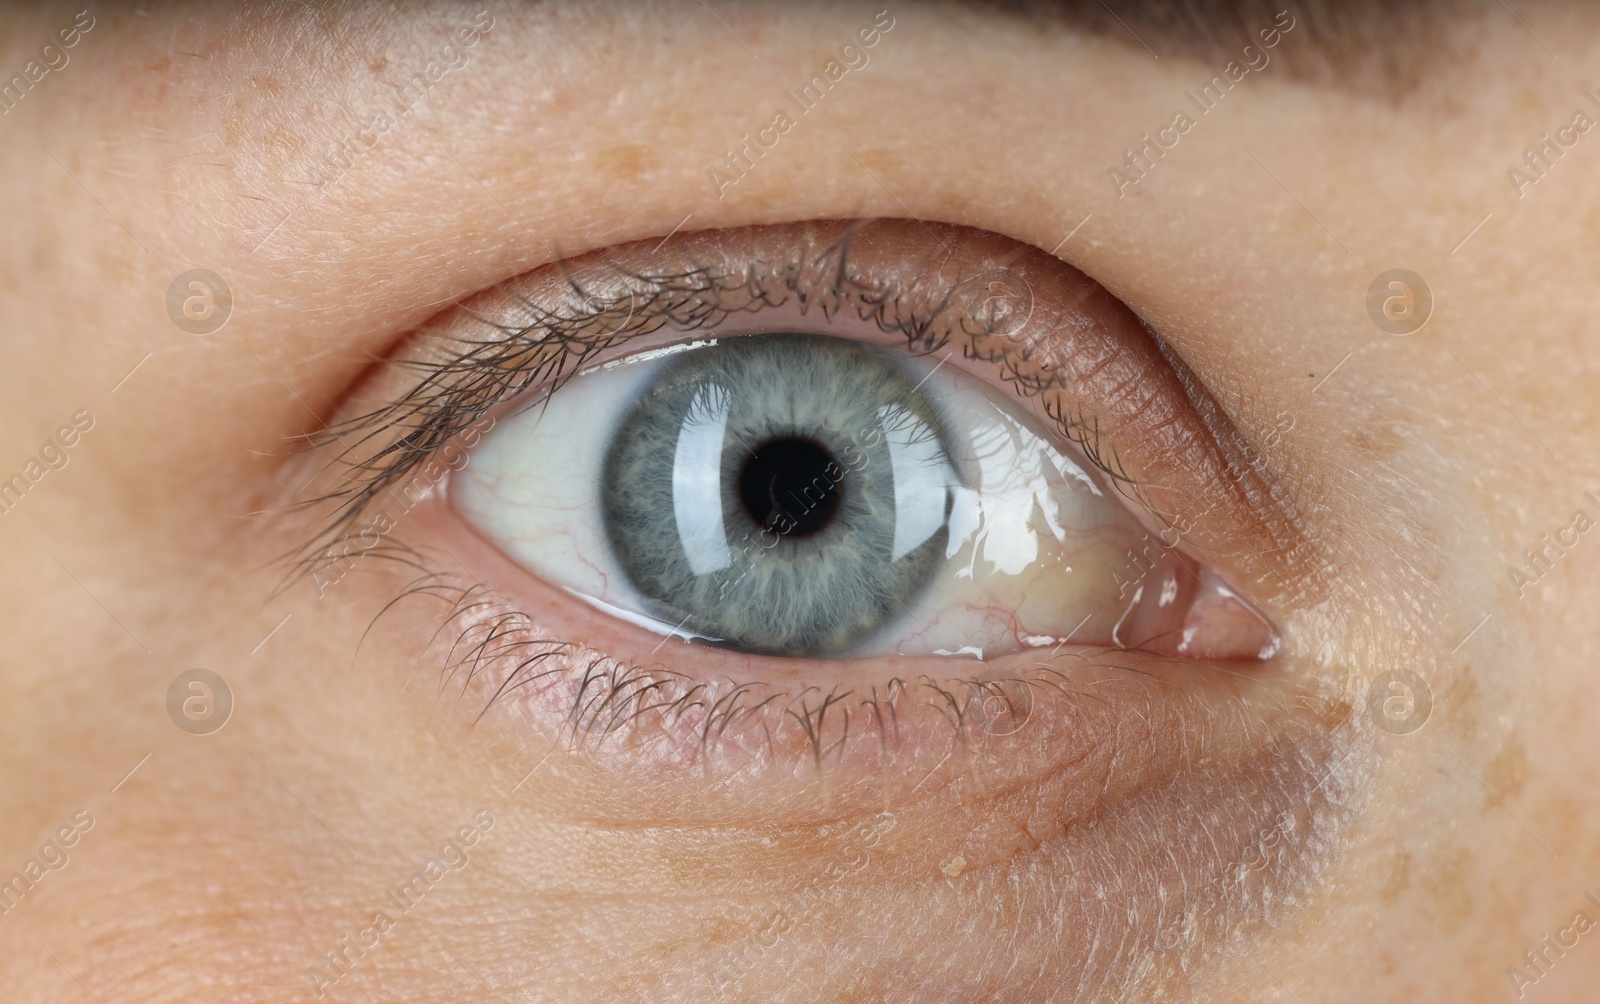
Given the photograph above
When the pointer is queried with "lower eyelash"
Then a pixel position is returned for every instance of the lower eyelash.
(499, 651)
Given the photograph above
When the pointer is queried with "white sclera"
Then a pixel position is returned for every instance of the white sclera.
(533, 486)
(1035, 546)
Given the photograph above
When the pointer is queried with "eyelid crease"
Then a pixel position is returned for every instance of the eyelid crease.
(1103, 379)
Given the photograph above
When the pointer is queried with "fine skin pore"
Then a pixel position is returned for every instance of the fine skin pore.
(1077, 860)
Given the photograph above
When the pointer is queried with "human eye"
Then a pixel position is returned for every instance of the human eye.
(822, 492)
(818, 483)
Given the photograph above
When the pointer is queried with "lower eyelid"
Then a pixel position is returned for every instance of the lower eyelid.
(1128, 778)
(1129, 801)
(881, 731)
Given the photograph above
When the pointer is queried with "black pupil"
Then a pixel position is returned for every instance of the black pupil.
(786, 486)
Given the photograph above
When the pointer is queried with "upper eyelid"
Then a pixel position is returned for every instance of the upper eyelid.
(535, 331)
(553, 341)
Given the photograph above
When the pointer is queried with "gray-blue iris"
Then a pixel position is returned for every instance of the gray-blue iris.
(786, 494)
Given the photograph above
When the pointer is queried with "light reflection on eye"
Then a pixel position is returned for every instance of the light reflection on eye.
(802, 495)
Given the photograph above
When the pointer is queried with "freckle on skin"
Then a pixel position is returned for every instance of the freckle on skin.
(1379, 441)
(625, 162)
(1460, 703)
(1398, 880)
(1507, 773)
(1446, 888)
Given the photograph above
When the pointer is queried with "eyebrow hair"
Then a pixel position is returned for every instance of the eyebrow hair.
(1372, 48)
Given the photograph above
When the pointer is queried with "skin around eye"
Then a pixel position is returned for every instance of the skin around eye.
(1078, 825)
(799, 495)
(716, 729)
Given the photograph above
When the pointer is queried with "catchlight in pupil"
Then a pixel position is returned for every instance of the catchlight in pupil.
(793, 477)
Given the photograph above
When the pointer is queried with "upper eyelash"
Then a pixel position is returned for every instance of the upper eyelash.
(556, 342)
